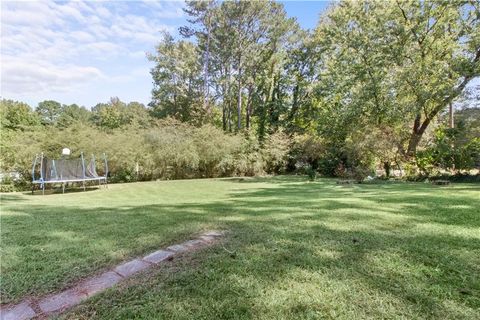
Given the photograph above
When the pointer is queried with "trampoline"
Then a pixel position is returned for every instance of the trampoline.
(63, 171)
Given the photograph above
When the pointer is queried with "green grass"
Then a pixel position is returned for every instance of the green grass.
(294, 249)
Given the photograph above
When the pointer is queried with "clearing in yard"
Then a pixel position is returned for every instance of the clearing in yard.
(293, 249)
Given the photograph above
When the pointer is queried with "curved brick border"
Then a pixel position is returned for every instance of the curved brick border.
(59, 302)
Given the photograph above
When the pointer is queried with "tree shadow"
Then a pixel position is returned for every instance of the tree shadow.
(8, 197)
(59, 190)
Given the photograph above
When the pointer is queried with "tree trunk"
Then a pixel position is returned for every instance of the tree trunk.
(274, 112)
(224, 117)
(206, 74)
(266, 106)
(294, 109)
(450, 113)
(239, 99)
(387, 167)
(262, 118)
(224, 103)
(249, 107)
(229, 116)
(417, 133)
(229, 104)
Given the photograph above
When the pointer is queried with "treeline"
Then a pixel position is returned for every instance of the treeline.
(246, 90)
(139, 146)
(370, 81)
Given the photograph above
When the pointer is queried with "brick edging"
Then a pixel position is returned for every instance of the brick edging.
(66, 299)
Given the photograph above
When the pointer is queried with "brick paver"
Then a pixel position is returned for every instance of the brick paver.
(131, 267)
(61, 301)
(21, 311)
(99, 283)
(177, 248)
(158, 256)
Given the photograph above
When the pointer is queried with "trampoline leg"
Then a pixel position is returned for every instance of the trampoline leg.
(43, 189)
(63, 187)
(83, 182)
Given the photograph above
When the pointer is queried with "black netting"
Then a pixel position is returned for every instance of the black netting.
(91, 170)
(67, 169)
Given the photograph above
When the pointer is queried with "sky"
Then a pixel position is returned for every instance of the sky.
(85, 52)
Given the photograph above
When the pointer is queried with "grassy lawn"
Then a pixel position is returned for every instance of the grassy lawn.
(294, 249)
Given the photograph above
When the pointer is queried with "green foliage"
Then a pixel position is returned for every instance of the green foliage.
(116, 114)
(7, 187)
(7, 184)
(71, 114)
(311, 173)
(109, 115)
(450, 151)
(177, 81)
(306, 151)
(167, 150)
(401, 76)
(365, 90)
(276, 150)
(16, 115)
(49, 111)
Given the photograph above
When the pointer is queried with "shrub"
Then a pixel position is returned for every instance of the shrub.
(311, 173)
(306, 151)
(7, 187)
(275, 152)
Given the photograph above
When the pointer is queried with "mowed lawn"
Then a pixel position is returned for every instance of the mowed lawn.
(293, 250)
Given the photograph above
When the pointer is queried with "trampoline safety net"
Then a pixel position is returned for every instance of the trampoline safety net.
(64, 170)
(71, 169)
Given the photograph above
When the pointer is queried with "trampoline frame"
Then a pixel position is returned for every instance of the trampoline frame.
(41, 182)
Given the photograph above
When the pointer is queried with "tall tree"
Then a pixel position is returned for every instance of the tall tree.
(395, 63)
(177, 81)
(49, 111)
(109, 115)
(239, 38)
(17, 115)
(202, 15)
(71, 114)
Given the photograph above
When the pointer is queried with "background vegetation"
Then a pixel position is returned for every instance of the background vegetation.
(246, 91)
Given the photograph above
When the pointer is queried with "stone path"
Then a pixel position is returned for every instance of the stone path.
(61, 301)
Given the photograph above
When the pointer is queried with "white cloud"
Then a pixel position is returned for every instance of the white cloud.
(24, 77)
(53, 47)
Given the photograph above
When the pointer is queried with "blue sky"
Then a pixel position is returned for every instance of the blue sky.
(85, 52)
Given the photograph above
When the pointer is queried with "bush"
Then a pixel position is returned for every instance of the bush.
(307, 151)
(449, 151)
(311, 173)
(7, 188)
(275, 152)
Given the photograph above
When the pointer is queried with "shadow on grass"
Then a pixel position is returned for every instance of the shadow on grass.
(58, 190)
(8, 197)
(289, 235)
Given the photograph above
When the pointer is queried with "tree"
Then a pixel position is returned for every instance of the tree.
(201, 13)
(71, 114)
(137, 114)
(237, 41)
(16, 115)
(109, 115)
(398, 64)
(177, 81)
(49, 111)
